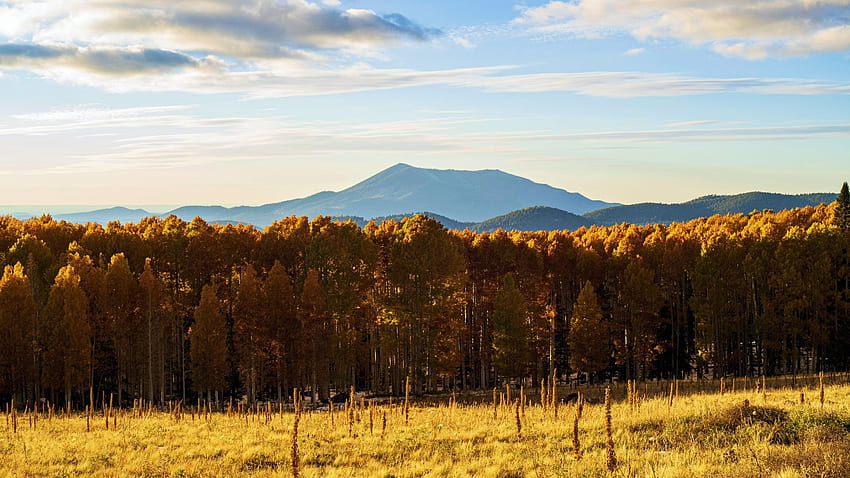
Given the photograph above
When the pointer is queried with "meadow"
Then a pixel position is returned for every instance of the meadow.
(661, 429)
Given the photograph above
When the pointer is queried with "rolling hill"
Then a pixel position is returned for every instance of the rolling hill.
(657, 213)
(477, 200)
(537, 218)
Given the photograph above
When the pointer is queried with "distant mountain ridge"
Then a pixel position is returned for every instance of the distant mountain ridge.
(477, 200)
(657, 213)
(466, 196)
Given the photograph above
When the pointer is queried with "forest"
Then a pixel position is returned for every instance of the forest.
(172, 310)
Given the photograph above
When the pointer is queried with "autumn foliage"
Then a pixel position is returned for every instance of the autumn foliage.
(166, 309)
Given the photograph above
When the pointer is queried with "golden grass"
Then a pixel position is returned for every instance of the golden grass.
(700, 434)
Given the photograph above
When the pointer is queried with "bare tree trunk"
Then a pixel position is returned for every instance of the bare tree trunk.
(150, 348)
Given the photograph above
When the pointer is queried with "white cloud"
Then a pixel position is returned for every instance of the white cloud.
(195, 45)
(749, 29)
(636, 84)
(634, 51)
(240, 29)
(277, 80)
(282, 48)
(680, 124)
(85, 114)
(167, 137)
(176, 136)
(689, 135)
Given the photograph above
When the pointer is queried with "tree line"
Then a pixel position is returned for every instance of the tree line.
(167, 309)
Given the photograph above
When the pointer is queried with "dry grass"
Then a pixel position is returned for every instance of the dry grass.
(699, 435)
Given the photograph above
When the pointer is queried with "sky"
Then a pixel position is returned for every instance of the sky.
(240, 102)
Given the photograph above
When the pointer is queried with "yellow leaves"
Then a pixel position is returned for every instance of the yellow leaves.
(67, 277)
(11, 273)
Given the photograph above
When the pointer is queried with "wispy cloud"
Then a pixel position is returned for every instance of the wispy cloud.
(690, 135)
(680, 124)
(748, 29)
(276, 81)
(102, 61)
(177, 136)
(168, 137)
(636, 84)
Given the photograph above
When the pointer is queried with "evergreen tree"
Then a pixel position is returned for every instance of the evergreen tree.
(510, 330)
(208, 345)
(316, 326)
(588, 337)
(841, 216)
(249, 331)
(284, 329)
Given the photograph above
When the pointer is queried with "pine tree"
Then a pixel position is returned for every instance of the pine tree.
(249, 334)
(588, 338)
(208, 344)
(510, 330)
(284, 329)
(841, 216)
(316, 328)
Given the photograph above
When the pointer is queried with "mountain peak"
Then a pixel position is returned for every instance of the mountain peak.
(468, 196)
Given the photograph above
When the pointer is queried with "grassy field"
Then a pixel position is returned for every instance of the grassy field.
(698, 433)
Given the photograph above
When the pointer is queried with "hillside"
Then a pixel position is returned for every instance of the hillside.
(652, 213)
(465, 194)
(533, 219)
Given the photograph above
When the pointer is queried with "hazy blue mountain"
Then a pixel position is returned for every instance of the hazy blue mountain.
(537, 218)
(103, 216)
(657, 213)
(467, 196)
(476, 200)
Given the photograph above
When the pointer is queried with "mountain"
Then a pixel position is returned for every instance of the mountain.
(476, 200)
(104, 216)
(537, 218)
(657, 213)
(466, 196)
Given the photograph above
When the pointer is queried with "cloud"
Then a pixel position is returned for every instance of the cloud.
(241, 29)
(634, 51)
(177, 136)
(104, 61)
(88, 114)
(638, 84)
(195, 45)
(162, 70)
(680, 124)
(748, 29)
(689, 135)
(167, 137)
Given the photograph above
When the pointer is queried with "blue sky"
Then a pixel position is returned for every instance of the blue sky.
(250, 102)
